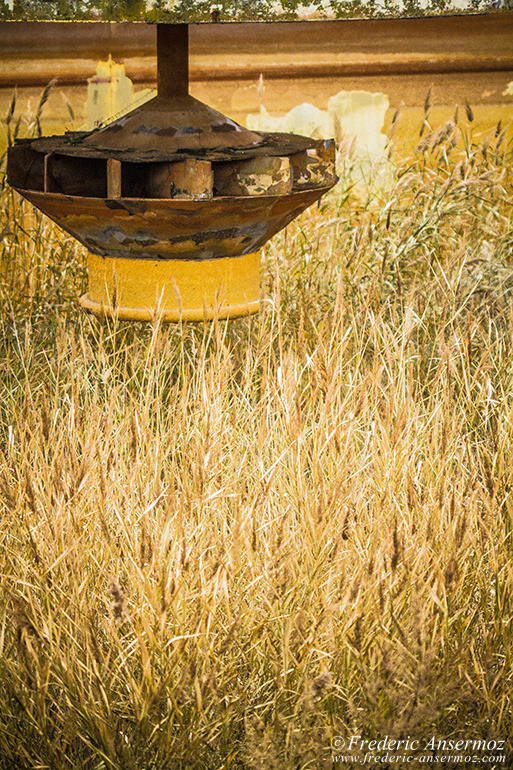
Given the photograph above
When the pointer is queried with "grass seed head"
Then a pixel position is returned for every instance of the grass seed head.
(117, 599)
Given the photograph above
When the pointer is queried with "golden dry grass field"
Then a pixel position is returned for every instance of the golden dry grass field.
(242, 544)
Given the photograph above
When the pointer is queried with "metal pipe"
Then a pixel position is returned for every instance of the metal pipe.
(173, 59)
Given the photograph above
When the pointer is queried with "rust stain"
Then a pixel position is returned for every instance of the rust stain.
(174, 229)
(73, 144)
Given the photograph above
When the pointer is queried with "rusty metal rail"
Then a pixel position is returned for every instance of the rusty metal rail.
(200, 73)
(482, 43)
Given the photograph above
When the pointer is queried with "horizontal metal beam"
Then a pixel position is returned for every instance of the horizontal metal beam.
(199, 73)
(478, 34)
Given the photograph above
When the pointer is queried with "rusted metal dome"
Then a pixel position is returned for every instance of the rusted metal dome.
(170, 183)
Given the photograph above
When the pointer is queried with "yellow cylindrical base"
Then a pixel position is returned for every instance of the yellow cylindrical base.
(175, 289)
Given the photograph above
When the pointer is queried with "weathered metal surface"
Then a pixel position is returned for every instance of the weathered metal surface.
(314, 167)
(172, 123)
(73, 144)
(176, 289)
(78, 174)
(184, 179)
(75, 177)
(97, 187)
(209, 192)
(33, 54)
(173, 58)
(257, 176)
(25, 167)
(173, 229)
(113, 178)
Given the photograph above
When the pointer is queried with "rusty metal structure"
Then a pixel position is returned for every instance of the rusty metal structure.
(172, 200)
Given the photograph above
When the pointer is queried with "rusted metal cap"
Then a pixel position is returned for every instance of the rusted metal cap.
(171, 128)
(173, 194)
(174, 125)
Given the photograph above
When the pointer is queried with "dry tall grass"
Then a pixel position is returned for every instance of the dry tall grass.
(224, 544)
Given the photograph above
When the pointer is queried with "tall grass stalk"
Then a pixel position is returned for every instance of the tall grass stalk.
(224, 544)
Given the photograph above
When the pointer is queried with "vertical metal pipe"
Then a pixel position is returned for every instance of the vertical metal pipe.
(173, 59)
